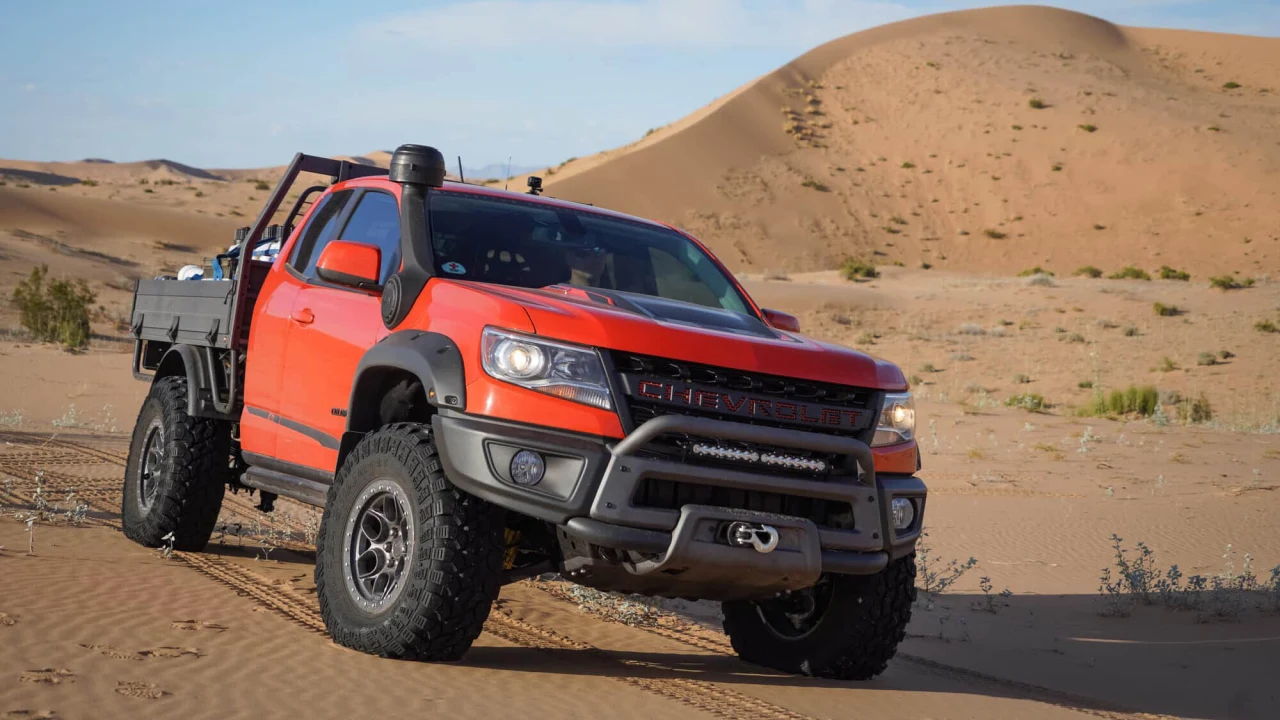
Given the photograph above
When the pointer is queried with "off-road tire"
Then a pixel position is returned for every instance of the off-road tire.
(854, 639)
(453, 571)
(191, 476)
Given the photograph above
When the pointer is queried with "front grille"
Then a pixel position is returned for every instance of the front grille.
(673, 495)
(634, 369)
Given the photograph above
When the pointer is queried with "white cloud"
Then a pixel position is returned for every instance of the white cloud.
(511, 24)
(29, 87)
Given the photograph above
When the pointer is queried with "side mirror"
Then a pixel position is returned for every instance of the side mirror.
(350, 263)
(781, 320)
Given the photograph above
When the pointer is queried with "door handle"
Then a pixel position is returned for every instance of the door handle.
(303, 316)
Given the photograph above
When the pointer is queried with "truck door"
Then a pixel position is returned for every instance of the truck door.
(264, 364)
(331, 326)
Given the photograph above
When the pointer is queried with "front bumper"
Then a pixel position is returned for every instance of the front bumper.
(590, 487)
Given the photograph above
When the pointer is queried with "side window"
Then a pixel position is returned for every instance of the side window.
(376, 221)
(321, 228)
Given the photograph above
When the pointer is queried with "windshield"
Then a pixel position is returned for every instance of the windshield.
(509, 242)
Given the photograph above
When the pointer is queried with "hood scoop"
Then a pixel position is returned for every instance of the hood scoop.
(671, 311)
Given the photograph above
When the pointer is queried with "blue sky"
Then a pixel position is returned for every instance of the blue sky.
(244, 83)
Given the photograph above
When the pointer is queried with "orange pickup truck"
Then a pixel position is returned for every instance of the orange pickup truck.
(481, 386)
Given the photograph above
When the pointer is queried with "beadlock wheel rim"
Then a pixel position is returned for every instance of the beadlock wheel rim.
(151, 465)
(378, 545)
(796, 615)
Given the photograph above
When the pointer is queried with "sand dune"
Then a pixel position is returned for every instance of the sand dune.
(917, 138)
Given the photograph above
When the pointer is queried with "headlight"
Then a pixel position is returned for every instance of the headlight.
(573, 373)
(897, 420)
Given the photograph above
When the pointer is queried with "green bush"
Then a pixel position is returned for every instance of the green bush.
(1027, 401)
(1088, 271)
(1141, 401)
(1036, 104)
(1168, 273)
(261, 186)
(1266, 326)
(854, 269)
(994, 234)
(57, 311)
(1167, 310)
(1130, 273)
(1037, 270)
(1227, 282)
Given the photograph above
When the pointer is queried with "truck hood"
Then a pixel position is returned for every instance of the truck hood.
(677, 330)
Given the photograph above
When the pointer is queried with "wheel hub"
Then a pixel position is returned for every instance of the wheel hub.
(150, 466)
(796, 614)
(378, 546)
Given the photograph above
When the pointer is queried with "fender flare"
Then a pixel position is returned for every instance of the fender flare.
(431, 357)
(199, 379)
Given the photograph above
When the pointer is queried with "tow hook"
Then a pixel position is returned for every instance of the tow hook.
(764, 538)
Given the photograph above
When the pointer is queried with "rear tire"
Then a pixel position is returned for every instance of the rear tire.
(177, 471)
(407, 565)
(847, 627)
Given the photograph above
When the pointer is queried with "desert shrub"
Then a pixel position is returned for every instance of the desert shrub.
(1196, 410)
(1073, 338)
(1131, 331)
(1207, 358)
(1227, 282)
(815, 185)
(1027, 401)
(1041, 280)
(1088, 271)
(1130, 272)
(1168, 273)
(929, 368)
(1167, 365)
(1088, 127)
(897, 220)
(1225, 354)
(261, 186)
(1166, 310)
(1037, 270)
(994, 234)
(854, 269)
(1036, 104)
(1057, 167)
(908, 165)
(1230, 85)
(54, 311)
(90, 183)
(1085, 384)
(1266, 326)
(1134, 400)
(1021, 379)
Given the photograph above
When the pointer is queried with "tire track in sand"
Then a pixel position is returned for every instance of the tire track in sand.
(702, 695)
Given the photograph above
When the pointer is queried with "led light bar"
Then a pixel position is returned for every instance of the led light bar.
(790, 462)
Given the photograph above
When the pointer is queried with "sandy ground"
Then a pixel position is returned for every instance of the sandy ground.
(1034, 497)
(908, 170)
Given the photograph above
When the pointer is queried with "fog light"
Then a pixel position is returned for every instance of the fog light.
(527, 468)
(904, 512)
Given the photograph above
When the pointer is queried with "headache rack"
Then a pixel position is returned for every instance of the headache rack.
(213, 314)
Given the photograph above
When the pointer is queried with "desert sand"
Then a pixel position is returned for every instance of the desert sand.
(923, 139)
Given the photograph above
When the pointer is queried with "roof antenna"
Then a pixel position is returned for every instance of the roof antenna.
(460, 177)
(508, 179)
